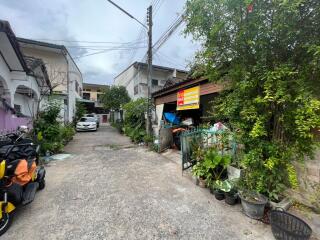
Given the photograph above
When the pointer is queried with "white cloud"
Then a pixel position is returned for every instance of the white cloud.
(98, 21)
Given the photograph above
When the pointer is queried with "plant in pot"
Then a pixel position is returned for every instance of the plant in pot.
(235, 169)
(215, 165)
(226, 190)
(197, 155)
(199, 171)
(217, 190)
(266, 175)
(230, 191)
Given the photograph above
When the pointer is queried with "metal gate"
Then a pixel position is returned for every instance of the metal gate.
(203, 138)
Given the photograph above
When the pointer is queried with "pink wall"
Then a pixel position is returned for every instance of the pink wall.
(9, 123)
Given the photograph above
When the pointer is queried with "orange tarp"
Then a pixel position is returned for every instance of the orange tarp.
(23, 174)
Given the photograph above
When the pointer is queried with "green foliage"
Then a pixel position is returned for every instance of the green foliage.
(80, 111)
(67, 132)
(118, 125)
(226, 185)
(199, 170)
(134, 121)
(215, 164)
(212, 166)
(269, 61)
(115, 97)
(50, 134)
(197, 151)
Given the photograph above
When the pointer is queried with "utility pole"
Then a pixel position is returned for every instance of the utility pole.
(149, 79)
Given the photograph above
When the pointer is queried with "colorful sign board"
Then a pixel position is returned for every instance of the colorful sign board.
(188, 98)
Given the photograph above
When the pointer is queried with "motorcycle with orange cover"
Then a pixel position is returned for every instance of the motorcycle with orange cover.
(20, 175)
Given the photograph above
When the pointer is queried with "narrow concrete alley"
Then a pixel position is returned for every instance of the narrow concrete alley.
(112, 189)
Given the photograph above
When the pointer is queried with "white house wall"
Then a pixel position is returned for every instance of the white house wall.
(138, 77)
(28, 105)
(55, 63)
(58, 67)
(11, 81)
(5, 78)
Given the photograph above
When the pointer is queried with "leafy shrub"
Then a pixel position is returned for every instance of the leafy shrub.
(67, 132)
(271, 79)
(49, 133)
(118, 125)
(134, 121)
(213, 166)
(80, 112)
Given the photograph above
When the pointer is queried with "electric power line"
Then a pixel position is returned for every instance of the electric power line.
(166, 35)
(128, 14)
(104, 51)
(160, 2)
(171, 61)
(81, 41)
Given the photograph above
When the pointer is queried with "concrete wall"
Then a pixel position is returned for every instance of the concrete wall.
(10, 123)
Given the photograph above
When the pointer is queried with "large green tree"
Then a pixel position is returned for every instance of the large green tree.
(268, 54)
(115, 97)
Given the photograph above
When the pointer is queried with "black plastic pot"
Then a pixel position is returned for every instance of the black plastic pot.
(231, 198)
(219, 194)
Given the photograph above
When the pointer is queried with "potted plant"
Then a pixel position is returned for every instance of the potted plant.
(253, 204)
(199, 172)
(215, 164)
(230, 192)
(226, 190)
(235, 169)
(217, 190)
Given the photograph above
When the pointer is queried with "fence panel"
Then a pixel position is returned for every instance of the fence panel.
(204, 138)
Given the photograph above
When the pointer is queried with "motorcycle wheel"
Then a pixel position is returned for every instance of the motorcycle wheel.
(42, 184)
(5, 222)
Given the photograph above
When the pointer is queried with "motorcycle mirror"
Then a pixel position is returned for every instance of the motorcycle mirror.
(23, 128)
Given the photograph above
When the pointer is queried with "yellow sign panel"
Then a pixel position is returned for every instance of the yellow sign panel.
(188, 98)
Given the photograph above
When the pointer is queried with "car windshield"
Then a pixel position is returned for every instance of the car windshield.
(90, 115)
(87, 119)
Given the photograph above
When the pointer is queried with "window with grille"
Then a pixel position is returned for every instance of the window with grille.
(86, 96)
(136, 90)
(155, 82)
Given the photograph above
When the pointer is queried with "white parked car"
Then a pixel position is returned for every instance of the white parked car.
(87, 124)
(95, 117)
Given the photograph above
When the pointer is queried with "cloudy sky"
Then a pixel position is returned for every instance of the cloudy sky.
(96, 27)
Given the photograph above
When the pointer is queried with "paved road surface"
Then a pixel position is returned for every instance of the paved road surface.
(110, 189)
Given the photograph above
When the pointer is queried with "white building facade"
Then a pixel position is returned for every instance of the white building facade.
(64, 75)
(22, 83)
(134, 78)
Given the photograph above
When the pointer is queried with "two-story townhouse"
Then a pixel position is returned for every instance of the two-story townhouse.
(64, 74)
(134, 78)
(23, 83)
(94, 93)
